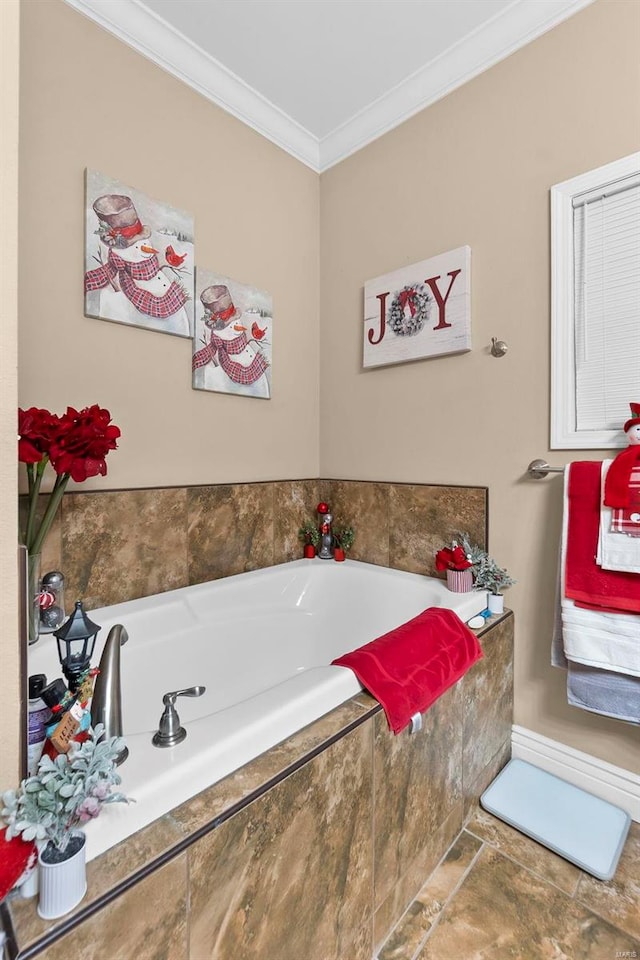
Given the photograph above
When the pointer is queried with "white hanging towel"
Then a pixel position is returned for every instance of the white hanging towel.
(610, 641)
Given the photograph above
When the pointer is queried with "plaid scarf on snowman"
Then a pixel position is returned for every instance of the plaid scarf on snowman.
(625, 519)
(220, 351)
(125, 273)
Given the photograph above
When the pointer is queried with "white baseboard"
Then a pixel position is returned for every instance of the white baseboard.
(615, 784)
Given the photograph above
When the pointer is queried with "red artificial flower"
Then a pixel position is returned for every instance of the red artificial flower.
(84, 439)
(37, 429)
(76, 445)
(452, 558)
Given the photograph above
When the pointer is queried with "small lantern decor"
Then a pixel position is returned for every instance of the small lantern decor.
(76, 640)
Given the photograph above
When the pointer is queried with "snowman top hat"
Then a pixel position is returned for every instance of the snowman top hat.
(120, 224)
(218, 303)
(634, 420)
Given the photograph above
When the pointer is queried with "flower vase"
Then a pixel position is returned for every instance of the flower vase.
(309, 551)
(33, 595)
(338, 554)
(460, 581)
(495, 602)
(62, 882)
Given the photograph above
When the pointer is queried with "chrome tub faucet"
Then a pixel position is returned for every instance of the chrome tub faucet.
(106, 705)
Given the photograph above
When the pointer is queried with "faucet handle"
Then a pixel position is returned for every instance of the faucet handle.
(169, 731)
(170, 698)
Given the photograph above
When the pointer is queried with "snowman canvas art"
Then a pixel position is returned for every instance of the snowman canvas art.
(139, 258)
(233, 337)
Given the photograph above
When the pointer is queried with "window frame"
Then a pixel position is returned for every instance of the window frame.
(564, 435)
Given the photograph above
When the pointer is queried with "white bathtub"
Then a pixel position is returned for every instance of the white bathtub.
(261, 643)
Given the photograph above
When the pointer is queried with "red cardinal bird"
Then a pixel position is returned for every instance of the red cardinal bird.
(173, 259)
(256, 332)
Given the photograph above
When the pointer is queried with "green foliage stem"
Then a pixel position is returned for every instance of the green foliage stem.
(65, 793)
(487, 575)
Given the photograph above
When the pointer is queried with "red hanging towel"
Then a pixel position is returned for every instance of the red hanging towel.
(408, 668)
(585, 582)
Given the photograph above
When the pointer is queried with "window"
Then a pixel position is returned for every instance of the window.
(595, 316)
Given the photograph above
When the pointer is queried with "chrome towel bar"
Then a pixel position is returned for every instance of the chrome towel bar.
(538, 469)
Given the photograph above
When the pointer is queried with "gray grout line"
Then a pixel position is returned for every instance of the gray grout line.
(550, 883)
(621, 930)
(486, 843)
(417, 896)
(462, 879)
(519, 863)
(411, 902)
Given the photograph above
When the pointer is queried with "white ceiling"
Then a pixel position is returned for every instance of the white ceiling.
(323, 61)
(321, 78)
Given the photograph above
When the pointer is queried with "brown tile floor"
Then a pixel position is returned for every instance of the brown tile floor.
(498, 895)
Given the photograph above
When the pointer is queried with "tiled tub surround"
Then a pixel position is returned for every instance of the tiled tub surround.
(120, 545)
(313, 851)
(260, 645)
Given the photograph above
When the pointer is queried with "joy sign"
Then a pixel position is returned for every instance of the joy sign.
(419, 311)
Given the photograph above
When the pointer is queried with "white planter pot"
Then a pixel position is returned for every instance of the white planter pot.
(496, 603)
(62, 885)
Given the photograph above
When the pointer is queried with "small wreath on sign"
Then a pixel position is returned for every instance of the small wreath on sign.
(409, 310)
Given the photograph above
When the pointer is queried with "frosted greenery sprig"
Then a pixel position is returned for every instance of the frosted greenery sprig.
(343, 537)
(65, 793)
(487, 575)
(309, 533)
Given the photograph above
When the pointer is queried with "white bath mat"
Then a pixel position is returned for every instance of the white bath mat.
(583, 829)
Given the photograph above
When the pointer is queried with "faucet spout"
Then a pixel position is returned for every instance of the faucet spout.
(106, 705)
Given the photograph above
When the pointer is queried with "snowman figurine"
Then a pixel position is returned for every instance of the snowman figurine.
(229, 362)
(326, 536)
(131, 286)
(620, 489)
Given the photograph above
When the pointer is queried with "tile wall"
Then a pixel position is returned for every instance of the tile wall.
(120, 545)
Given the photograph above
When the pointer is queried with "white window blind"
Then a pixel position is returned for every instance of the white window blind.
(606, 230)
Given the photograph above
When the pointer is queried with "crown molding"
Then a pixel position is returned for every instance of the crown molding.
(140, 28)
(520, 23)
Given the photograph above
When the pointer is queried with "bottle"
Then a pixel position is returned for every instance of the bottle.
(65, 718)
(38, 718)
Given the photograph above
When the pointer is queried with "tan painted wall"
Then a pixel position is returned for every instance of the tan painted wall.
(88, 100)
(476, 169)
(9, 651)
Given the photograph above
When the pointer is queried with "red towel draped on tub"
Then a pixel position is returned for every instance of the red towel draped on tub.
(408, 668)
